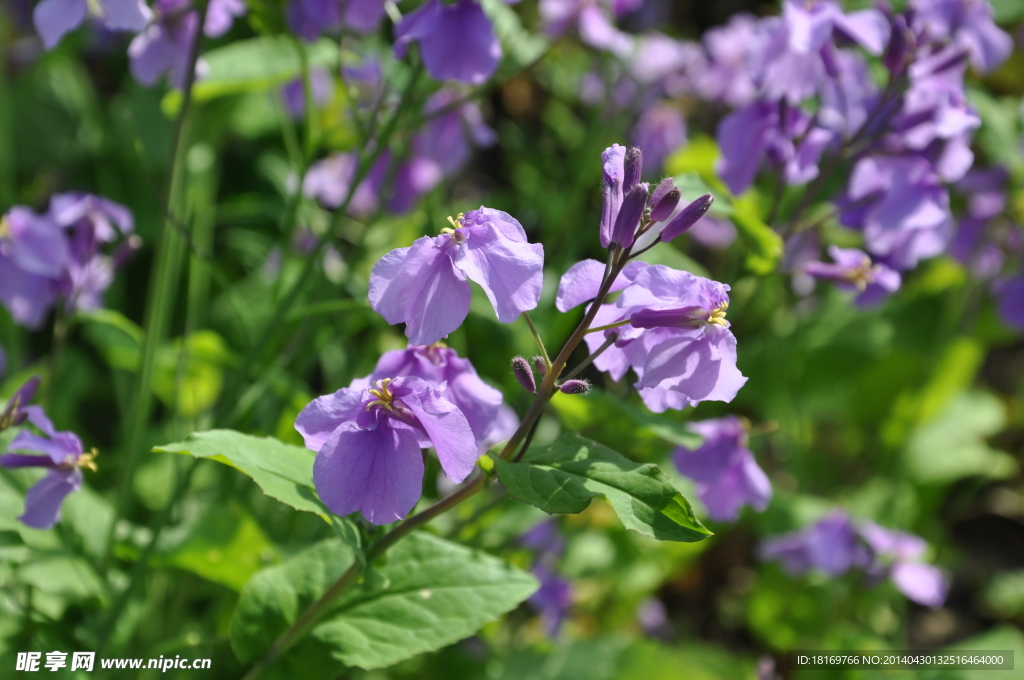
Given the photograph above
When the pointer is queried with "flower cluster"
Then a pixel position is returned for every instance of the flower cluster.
(57, 255)
(63, 458)
(368, 436)
(724, 468)
(837, 544)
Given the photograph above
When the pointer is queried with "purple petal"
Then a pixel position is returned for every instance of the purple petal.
(37, 244)
(869, 28)
(42, 501)
(310, 18)
(743, 483)
(461, 45)
(1011, 302)
(322, 416)
(510, 272)
(28, 297)
(416, 25)
(19, 460)
(725, 441)
(220, 15)
(613, 174)
(54, 18)
(364, 15)
(449, 432)
(598, 32)
(920, 582)
(376, 472)
(151, 54)
(125, 15)
(743, 136)
(420, 287)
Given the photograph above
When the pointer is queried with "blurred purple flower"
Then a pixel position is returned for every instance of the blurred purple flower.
(726, 74)
(54, 18)
(724, 468)
(969, 24)
(552, 600)
(164, 46)
(457, 41)
(852, 270)
(221, 15)
(713, 232)
(425, 285)
(63, 457)
(1010, 295)
(294, 92)
(901, 206)
(309, 18)
(491, 420)
(328, 180)
(784, 136)
(14, 412)
(652, 618)
(544, 539)
(368, 445)
(831, 545)
(660, 130)
(900, 556)
(455, 125)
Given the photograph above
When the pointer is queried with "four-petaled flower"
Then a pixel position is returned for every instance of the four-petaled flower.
(425, 285)
(368, 445)
(853, 270)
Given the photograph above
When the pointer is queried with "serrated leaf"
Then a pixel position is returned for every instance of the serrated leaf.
(565, 476)
(430, 593)
(283, 471)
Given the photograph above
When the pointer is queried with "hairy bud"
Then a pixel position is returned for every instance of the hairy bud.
(687, 217)
(539, 366)
(574, 386)
(524, 374)
(633, 167)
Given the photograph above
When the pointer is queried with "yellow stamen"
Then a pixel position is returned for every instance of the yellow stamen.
(87, 460)
(717, 315)
(456, 223)
(383, 394)
(861, 276)
(5, 227)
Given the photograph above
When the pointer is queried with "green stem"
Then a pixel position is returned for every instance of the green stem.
(617, 324)
(523, 435)
(160, 298)
(538, 339)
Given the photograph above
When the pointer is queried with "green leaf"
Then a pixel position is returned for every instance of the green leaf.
(563, 477)
(228, 547)
(523, 46)
(953, 445)
(117, 338)
(283, 471)
(430, 593)
(190, 379)
(1008, 11)
(763, 245)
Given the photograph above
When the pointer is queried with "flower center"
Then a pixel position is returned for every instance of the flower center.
(861, 276)
(456, 223)
(86, 460)
(717, 315)
(383, 393)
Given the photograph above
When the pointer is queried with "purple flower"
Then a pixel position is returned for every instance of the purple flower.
(678, 342)
(900, 556)
(552, 600)
(785, 136)
(294, 92)
(33, 256)
(221, 15)
(852, 270)
(457, 41)
(1011, 301)
(328, 180)
(368, 445)
(455, 126)
(726, 75)
(724, 468)
(425, 285)
(309, 18)
(659, 131)
(14, 412)
(54, 18)
(62, 456)
(969, 24)
(544, 539)
(831, 545)
(652, 618)
(794, 56)
(490, 419)
(902, 208)
(837, 544)
(163, 48)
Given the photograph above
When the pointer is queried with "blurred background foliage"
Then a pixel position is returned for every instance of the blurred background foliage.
(911, 414)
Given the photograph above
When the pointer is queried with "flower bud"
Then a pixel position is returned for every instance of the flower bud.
(524, 374)
(630, 214)
(900, 45)
(633, 167)
(687, 217)
(662, 206)
(574, 386)
(539, 366)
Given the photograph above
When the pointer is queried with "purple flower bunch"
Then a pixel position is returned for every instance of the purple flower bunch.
(724, 468)
(553, 600)
(62, 456)
(58, 255)
(368, 436)
(438, 151)
(838, 544)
